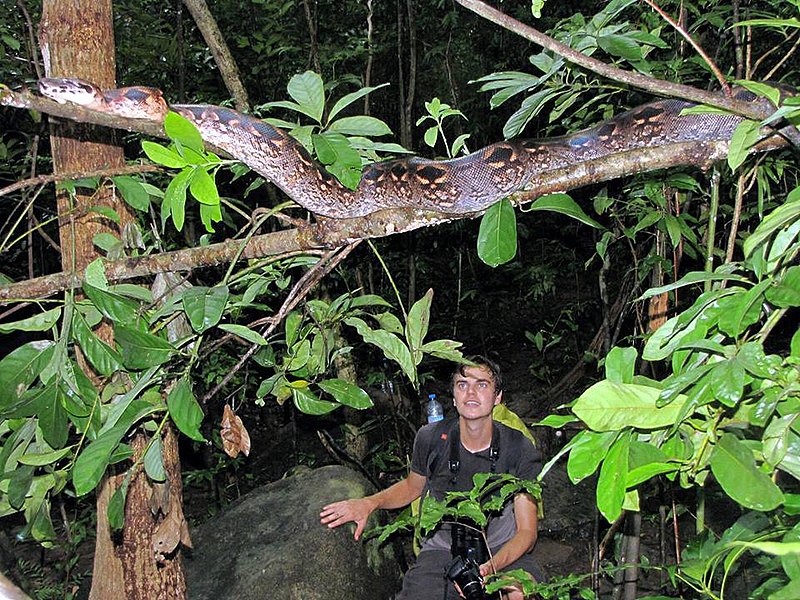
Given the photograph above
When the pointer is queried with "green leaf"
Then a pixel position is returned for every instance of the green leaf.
(185, 411)
(245, 333)
(609, 406)
(360, 125)
(162, 155)
(348, 99)
(587, 451)
(497, 236)
(620, 364)
(105, 359)
(210, 214)
(133, 191)
(113, 306)
(42, 459)
(743, 139)
(42, 321)
(52, 416)
(306, 401)
(116, 506)
(392, 346)
(154, 461)
(203, 187)
(734, 467)
(565, 205)
(612, 482)
(204, 306)
(727, 381)
(175, 198)
(339, 157)
(308, 91)
(419, 317)
(183, 131)
(141, 350)
(444, 349)
(20, 368)
(786, 291)
(94, 459)
(346, 393)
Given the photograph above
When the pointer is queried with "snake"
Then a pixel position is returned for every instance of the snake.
(458, 186)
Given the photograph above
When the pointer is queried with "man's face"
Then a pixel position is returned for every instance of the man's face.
(473, 393)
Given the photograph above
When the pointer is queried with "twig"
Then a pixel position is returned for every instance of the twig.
(300, 290)
(45, 179)
(697, 47)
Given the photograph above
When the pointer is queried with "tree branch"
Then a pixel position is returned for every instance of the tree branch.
(219, 50)
(752, 110)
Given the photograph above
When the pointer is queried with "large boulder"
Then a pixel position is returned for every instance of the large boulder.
(270, 544)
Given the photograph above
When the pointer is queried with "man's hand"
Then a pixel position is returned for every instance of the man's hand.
(357, 511)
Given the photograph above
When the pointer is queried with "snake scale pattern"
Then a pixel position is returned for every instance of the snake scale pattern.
(458, 186)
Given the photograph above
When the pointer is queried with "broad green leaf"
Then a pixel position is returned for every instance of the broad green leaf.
(786, 291)
(497, 236)
(174, 203)
(116, 506)
(393, 347)
(419, 317)
(734, 468)
(339, 157)
(141, 350)
(621, 46)
(346, 393)
(42, 321)
(308, 91)
(782, 217)
(203, 187)
(183, 131)
(52, 416)
(775, 441)
(609, 406)
(204, 306)
(612, 482)
(94, 459)
(565, 205)
(185, 411)
(291, 327)
(113, 306)
(588, 450)
(163, 156)
(444, 349)
(107, 242)
(620, 364)
(245, 333)
(154, 461)
(743, 139)
(727, 381)
(306, 401)
(133, 191)
(210, 214)
(348, 99)
(106, 212)
(20, 368)
(740, 311)
(105, 359)
(299, 355)
(360, 125)
(42, 459)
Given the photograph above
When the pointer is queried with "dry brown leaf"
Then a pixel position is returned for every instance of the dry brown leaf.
(234, 436)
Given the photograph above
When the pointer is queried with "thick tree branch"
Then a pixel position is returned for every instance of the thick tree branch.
(757, 111)
(332, 233)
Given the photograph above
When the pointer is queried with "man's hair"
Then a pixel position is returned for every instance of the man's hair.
(480, 361)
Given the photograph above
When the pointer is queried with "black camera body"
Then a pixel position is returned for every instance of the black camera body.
(466, 574)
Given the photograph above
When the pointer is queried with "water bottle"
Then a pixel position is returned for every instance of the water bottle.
(434, 409)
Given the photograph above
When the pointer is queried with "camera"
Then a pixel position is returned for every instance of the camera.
(465, 573)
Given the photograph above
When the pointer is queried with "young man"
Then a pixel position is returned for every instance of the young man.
(446, 456)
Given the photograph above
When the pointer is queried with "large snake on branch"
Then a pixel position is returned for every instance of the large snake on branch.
(458, 186)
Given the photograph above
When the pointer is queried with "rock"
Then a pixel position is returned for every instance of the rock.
(270, 544)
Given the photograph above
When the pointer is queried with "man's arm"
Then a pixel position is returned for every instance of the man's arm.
(358, 510)
(526, 517)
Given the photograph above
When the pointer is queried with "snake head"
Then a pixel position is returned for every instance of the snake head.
(64, 90)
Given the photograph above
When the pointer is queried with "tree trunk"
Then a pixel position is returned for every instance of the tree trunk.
(77, 40)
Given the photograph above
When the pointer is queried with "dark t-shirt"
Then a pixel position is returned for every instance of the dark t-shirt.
(516, 456)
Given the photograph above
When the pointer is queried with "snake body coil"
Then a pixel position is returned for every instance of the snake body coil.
(460, 186)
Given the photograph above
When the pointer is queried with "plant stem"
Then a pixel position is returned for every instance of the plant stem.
(711, 231)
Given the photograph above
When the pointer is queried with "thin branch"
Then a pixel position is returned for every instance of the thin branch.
(757, 111)
(219, 50)
(697, 47)
(45, 179)
(298, 293)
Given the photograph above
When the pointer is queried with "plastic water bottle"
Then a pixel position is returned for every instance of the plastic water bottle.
(434, 409)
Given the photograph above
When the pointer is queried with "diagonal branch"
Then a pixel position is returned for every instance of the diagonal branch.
(751, 110)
